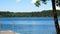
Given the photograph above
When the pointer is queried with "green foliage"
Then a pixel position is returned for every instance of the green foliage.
(45, 13)
(38, 2)
(57, 2)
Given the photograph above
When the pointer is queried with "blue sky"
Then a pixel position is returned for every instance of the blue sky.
(23, 6)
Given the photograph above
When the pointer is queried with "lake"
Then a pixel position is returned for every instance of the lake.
(30, 25)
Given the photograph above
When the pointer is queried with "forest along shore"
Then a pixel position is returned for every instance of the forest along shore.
(45, 13)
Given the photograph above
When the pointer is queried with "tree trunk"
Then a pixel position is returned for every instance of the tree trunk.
(55, 16)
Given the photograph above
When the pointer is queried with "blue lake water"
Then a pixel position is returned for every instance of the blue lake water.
(31, 25)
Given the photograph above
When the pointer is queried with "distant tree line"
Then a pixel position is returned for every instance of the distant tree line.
(45, 13)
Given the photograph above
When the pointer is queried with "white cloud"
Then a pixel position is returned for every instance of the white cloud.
(58, 8)
(33, 1)
(18, 0)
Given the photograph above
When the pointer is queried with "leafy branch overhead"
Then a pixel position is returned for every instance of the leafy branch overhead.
(38, 2)
(57, 2)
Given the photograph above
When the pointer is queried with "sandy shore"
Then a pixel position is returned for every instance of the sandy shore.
(8, 32)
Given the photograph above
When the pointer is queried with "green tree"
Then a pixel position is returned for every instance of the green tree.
(54, 4)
